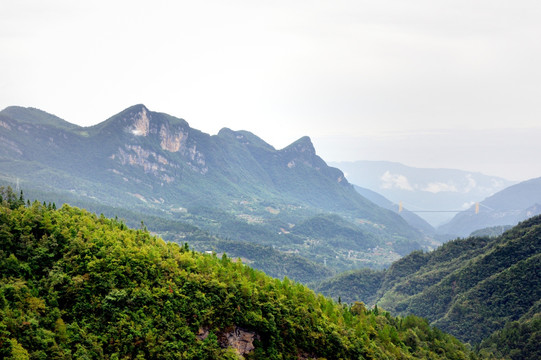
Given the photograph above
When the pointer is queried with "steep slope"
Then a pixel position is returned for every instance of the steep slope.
(518, 340)
(359, 285)
(232, 184)
(468, 287)
(74, 285)
(506, 207)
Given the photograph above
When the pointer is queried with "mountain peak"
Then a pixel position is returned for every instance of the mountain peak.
(244, 137)
(138, 120)
(133, 109)
(141, 122)
(138, 107)
(303, 145)
(35, 116)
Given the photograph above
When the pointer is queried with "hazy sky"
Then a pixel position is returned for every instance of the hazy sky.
(427, 83)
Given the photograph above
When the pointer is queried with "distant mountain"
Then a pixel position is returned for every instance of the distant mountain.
(411, 218)
(470, 287)
(232, 184)
(442, 192)
(506, 207)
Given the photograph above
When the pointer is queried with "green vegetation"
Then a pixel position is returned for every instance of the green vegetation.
(272, 262)
(267, 258)
(518, 340)
(491, 231)
(474, 288)
(336, 231)
(77, 285)
(361, 285)
(232, 185)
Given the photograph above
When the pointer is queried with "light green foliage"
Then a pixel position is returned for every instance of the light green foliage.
(75, 285)
(17, 351)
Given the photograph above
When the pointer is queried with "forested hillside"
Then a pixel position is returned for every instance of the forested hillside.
(472, 288)
(77, 285)
(233, 184)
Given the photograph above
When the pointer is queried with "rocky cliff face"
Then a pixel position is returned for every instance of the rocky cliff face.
(141, 123)
(148, 130)
(149, 161)
(239, 339)
(149, 155)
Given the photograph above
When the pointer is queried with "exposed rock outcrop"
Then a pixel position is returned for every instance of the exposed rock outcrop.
(234, 337)
(239, 339)
(172, 141)
(141, 123)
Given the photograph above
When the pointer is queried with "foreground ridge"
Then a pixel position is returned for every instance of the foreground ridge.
(77, 285)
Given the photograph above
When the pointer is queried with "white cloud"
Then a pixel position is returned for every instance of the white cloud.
(395, 181)
(467, 205)
(471, 184)
(497, 184)
(437, 187)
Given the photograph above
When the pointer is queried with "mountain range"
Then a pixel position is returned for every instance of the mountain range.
(285, 211)
(436, 195)
(507, 207)
(473, 288)
(232, 184)
(411, 218)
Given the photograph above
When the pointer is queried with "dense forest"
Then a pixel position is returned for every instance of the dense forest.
(483, 290)
(77, 285)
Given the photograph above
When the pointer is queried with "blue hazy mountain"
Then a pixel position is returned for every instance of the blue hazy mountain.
(411, 218)
(444, 192)
(507, 207)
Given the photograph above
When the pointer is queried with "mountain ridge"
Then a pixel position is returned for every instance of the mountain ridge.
(439, 193)
(151, 161)
(507, 207)
(468, 287)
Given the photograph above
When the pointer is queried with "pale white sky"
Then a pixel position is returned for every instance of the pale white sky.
(427, 83)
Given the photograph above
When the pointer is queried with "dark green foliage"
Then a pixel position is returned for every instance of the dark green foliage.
(77, 285)
(491, 231)
(470, 287)
(8, 198)
(336, 231)
(518, 340)
(361, 285)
